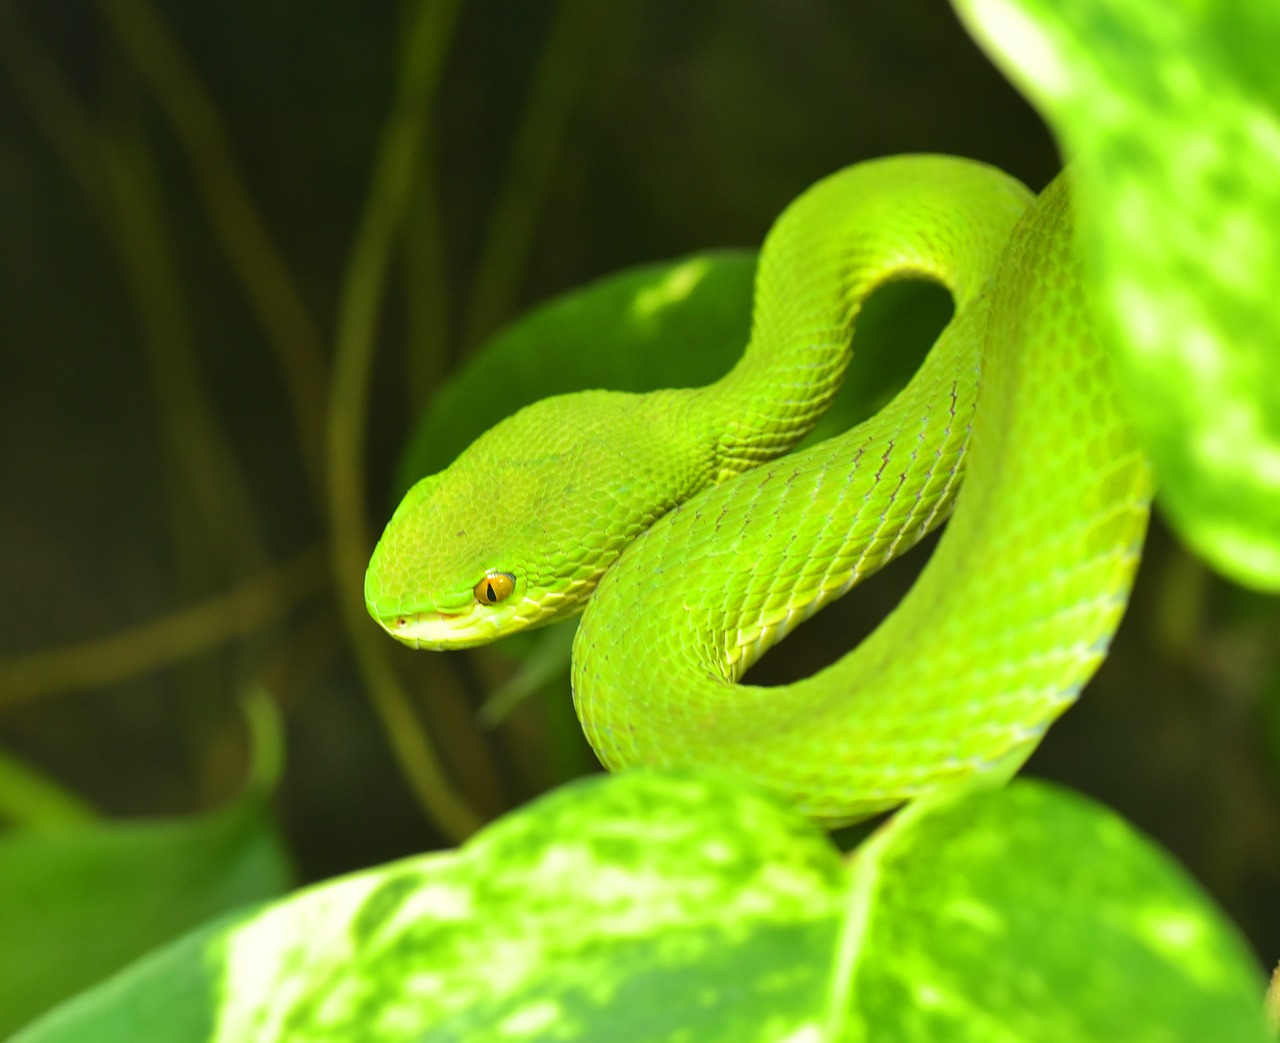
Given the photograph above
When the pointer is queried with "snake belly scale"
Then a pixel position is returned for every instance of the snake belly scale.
(696, 545)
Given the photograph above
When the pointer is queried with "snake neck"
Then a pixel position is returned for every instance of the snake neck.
(831, 249)
(785, 381)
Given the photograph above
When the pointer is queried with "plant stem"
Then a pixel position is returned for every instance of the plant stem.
(223, 505)
(116, 174)
(558, 84)
(159, 642)
(202, 133)
(426, 289)
(430, 28)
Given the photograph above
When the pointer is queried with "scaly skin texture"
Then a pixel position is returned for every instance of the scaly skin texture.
(702, 553)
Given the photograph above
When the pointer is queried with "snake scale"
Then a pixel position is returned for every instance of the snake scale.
(695, 542)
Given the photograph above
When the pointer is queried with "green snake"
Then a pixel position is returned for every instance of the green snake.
(695, 544)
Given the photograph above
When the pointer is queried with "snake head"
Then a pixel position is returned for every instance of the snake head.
(518, 530)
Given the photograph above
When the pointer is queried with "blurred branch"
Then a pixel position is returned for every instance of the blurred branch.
(266, 281)
(54, 109)
(31, 800)
(266, 740)
(426, 290)
(202, 451)
(313, 643)
(429, 32)
(558, 84)
(127, 203)
(140, 649)
(1178, 619)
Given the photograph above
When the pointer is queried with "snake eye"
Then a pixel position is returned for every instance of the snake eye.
(494, 588)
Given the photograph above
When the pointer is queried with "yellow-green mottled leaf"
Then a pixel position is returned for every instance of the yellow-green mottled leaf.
(634, 908)
(650, 907)
(1034, 914)
(80, 902)
(1172, 109)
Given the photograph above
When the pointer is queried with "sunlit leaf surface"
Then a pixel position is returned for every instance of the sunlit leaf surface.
(1034, 914)
(647, 907)
(633, 908)
(79, 903)
(1173, 110)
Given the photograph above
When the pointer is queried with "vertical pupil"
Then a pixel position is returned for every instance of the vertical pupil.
(488, 589)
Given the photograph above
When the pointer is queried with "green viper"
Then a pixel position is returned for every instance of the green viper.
(696, 545)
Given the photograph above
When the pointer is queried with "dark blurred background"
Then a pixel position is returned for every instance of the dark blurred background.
(156, 457)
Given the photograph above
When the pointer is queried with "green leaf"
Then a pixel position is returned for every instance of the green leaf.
(1173, 109)
(1033, 914)
(34, 801)
(79, 903)
(638, 907)
(676, 906)
(671, 906)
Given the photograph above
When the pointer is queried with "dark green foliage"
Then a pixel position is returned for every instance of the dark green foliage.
(79, 903)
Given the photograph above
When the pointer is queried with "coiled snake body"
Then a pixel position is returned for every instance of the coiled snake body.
(700, 545)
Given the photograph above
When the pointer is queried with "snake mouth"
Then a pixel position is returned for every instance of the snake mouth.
(438, 631)
(435, 630)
